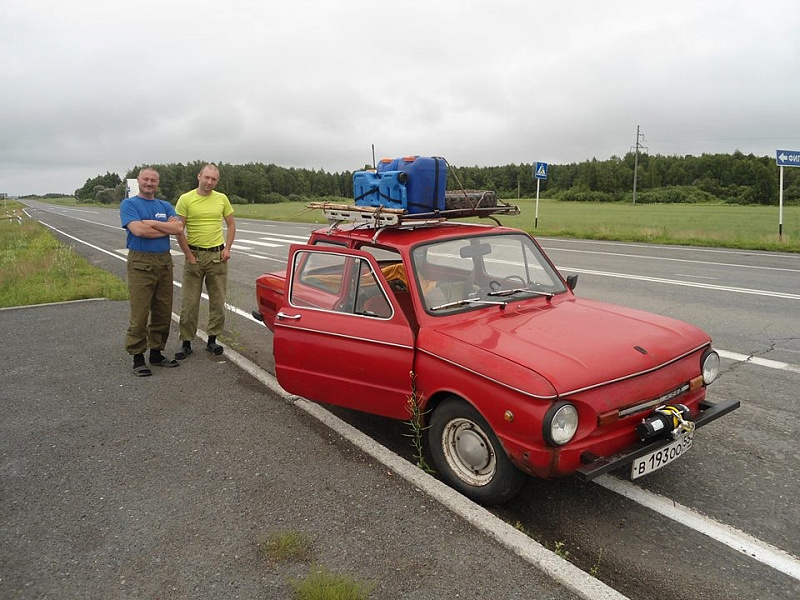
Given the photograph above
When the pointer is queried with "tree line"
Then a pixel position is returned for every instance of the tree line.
(730, 178)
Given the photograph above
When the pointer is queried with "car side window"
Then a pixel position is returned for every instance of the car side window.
(337, 282)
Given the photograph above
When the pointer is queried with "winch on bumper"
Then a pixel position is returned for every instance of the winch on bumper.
(595, 466)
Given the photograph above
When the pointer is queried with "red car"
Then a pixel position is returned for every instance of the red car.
(514, 374)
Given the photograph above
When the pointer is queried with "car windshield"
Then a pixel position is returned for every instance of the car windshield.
(482, 270)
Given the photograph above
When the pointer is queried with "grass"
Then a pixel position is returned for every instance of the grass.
(285, 546)
(322, 584)
(717, 225)
(36, 268)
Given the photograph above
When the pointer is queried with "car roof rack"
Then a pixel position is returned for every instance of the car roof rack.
(380, 216)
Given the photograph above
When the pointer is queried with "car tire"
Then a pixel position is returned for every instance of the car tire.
(469, 199)
(468, 456)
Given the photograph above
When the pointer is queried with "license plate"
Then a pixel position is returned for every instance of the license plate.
(663, 456)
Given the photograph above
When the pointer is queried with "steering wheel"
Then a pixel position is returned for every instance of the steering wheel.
(506, 282)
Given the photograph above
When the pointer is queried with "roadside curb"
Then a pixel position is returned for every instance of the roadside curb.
(559, 569)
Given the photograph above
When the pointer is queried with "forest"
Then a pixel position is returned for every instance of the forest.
(710, 178)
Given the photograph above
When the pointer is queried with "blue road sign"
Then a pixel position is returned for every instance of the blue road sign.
(788, 158)
(540, 171)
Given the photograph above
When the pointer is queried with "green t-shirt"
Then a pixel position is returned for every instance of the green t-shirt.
(204, 216)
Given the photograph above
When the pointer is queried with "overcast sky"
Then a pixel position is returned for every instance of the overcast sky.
(90, 86)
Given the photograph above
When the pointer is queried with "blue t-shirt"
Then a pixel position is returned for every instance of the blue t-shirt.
(137, 208)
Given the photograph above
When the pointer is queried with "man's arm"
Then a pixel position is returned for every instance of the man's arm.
(173, 226)
(149, 228)
(143, 230)
(184, 243)
(231, 226)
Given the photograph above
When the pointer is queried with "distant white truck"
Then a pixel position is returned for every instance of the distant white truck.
(132, 188)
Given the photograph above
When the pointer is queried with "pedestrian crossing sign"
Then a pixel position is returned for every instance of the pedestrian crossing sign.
(540, 171)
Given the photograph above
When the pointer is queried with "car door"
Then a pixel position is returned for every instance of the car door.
(340, 336)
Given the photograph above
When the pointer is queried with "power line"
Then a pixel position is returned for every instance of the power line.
(751, 139)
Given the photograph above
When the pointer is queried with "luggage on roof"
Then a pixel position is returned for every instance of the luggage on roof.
(416, 184)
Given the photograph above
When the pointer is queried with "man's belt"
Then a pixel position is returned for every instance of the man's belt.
(214, 249)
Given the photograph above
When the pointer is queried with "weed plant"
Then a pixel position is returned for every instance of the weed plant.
(415, 422)
(322, 584)
(286, 546)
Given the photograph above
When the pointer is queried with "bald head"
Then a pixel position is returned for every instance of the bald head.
(207, 179)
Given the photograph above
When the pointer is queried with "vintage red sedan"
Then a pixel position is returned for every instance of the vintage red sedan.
(514, 374)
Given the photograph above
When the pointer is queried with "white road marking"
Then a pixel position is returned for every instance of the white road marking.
(66, 209)
(738, 540)
(666, 258)
(560, 570)
(267, 244)
(772, 364)
(696, 276)
(557, 568)
(278, 236)
(72, 237)
(281, 261)
(284, 242)
(692, 249)
(707, 286)
(118, 227)
(121, 253)
(763, 362)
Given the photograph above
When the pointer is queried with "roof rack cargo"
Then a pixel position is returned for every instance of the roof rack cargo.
(380, 216)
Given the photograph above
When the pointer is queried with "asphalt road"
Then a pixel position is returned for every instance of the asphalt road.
(741, 477)
(113, 486)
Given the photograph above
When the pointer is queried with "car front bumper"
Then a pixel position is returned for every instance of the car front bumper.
(595, 466)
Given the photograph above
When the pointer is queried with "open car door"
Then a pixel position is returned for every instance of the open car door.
(341, 336)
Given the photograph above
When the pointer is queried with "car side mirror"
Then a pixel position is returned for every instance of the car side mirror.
(572, 281)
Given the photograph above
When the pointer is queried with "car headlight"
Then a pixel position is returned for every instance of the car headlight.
(709, 365)
(560, 423)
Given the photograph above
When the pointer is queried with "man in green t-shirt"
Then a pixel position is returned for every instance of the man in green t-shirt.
(202, 211)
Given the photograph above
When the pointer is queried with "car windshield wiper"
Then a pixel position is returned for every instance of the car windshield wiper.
(518, 290)
(465, 301)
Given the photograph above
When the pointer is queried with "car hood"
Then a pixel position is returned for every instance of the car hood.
(574, 343)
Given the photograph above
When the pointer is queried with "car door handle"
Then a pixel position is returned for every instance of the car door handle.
(283, 315)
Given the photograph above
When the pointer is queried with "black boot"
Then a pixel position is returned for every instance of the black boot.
(139, 368)
(159, 360)
(212, 345)
(186, 350)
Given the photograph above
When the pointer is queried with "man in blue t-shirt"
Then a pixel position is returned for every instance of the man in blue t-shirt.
(149, 223)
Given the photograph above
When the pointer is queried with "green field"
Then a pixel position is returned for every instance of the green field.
(748, 227)
(729, 226)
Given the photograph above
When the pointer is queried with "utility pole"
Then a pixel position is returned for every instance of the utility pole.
(639, 136)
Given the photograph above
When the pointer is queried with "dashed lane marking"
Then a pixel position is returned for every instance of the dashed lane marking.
(733, 538)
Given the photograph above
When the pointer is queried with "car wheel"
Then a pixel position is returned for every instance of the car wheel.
(468, 456)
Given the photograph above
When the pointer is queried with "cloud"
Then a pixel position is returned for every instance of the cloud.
(103, 85)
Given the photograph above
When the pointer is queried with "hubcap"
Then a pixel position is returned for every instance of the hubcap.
(468, 452)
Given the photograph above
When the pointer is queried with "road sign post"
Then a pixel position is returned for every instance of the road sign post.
(784, 158)
(539, 172)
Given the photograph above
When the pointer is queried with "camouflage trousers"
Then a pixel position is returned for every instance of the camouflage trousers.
(211, 270)
(150, 290)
